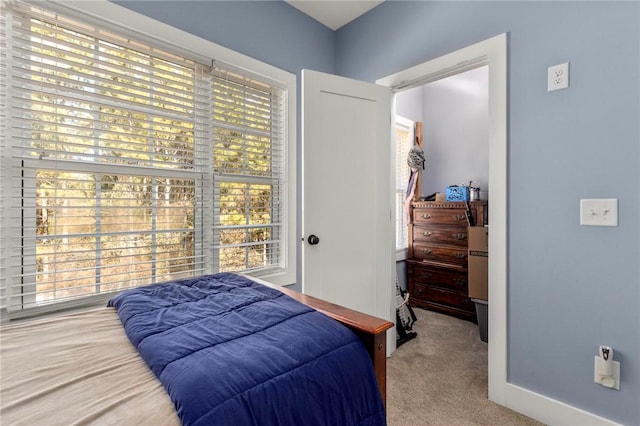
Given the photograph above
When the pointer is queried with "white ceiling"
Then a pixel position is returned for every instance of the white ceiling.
(334, 13)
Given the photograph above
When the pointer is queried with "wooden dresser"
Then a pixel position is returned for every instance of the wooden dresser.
(437, 257)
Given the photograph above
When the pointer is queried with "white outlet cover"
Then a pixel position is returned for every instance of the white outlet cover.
(598, 366)
(558, 77)
(599, 212)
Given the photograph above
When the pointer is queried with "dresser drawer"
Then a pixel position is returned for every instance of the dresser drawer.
(440, 216)
(453, 256)
(443, 296)
(439, 277)
(448, 235)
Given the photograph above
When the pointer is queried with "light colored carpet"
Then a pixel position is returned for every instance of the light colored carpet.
(440, 377)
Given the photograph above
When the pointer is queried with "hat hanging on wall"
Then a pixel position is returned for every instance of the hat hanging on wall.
(416, 159)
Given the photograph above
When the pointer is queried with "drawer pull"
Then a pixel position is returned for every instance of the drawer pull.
(427, 233)
(459, 217)
(426, 216)
(459, 236)
(459, 281)
(460, 255)
(426, 251)
(426, 275)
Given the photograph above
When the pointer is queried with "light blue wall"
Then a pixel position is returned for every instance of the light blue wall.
(455, 116)
(409, 104)
(570, 287)
(270, 31)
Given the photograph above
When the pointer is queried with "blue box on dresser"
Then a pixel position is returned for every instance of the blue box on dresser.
(457, 193)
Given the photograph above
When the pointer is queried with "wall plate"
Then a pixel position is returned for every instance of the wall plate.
(615, 373)
(558, 77)
(599, 212)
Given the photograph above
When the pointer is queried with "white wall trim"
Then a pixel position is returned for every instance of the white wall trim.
(550, 411)
(491, 52)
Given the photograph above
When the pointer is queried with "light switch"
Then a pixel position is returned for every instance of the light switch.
(599, 212)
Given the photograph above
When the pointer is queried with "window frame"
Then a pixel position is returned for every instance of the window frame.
(401, 187)
(120, 20)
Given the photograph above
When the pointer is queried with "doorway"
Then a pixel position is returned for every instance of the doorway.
(492, 53)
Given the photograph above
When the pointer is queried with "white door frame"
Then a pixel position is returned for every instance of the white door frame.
(491, 52)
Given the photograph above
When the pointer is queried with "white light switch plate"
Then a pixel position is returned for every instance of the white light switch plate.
(599, 212)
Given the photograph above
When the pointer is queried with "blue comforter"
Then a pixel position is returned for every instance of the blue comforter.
(230, 351)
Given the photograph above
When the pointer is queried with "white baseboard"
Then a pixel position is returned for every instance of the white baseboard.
(549, 411)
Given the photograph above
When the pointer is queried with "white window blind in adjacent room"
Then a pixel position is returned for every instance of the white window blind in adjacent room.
(109, 148)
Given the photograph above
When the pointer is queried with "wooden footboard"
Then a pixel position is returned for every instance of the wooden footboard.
(371, 330)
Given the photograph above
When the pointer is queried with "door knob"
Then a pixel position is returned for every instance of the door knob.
(313, 240)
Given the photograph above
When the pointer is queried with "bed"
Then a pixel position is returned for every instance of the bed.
(82, 368)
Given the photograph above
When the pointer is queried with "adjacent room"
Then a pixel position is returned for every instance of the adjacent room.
(317, 212)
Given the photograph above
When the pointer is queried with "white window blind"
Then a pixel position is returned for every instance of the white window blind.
(109, 147)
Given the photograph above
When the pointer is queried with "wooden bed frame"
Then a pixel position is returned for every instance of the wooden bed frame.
(371, 330)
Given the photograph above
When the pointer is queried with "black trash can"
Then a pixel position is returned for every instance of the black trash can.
(482, 314)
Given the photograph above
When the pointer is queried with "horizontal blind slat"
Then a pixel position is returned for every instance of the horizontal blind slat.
(30, 55)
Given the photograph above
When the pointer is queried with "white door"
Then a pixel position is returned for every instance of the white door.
(347, 193)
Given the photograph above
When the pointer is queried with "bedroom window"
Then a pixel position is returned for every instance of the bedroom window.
(248, 171)
(124, 164)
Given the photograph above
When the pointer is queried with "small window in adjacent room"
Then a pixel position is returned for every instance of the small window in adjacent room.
(126, 164)
(404, 139)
